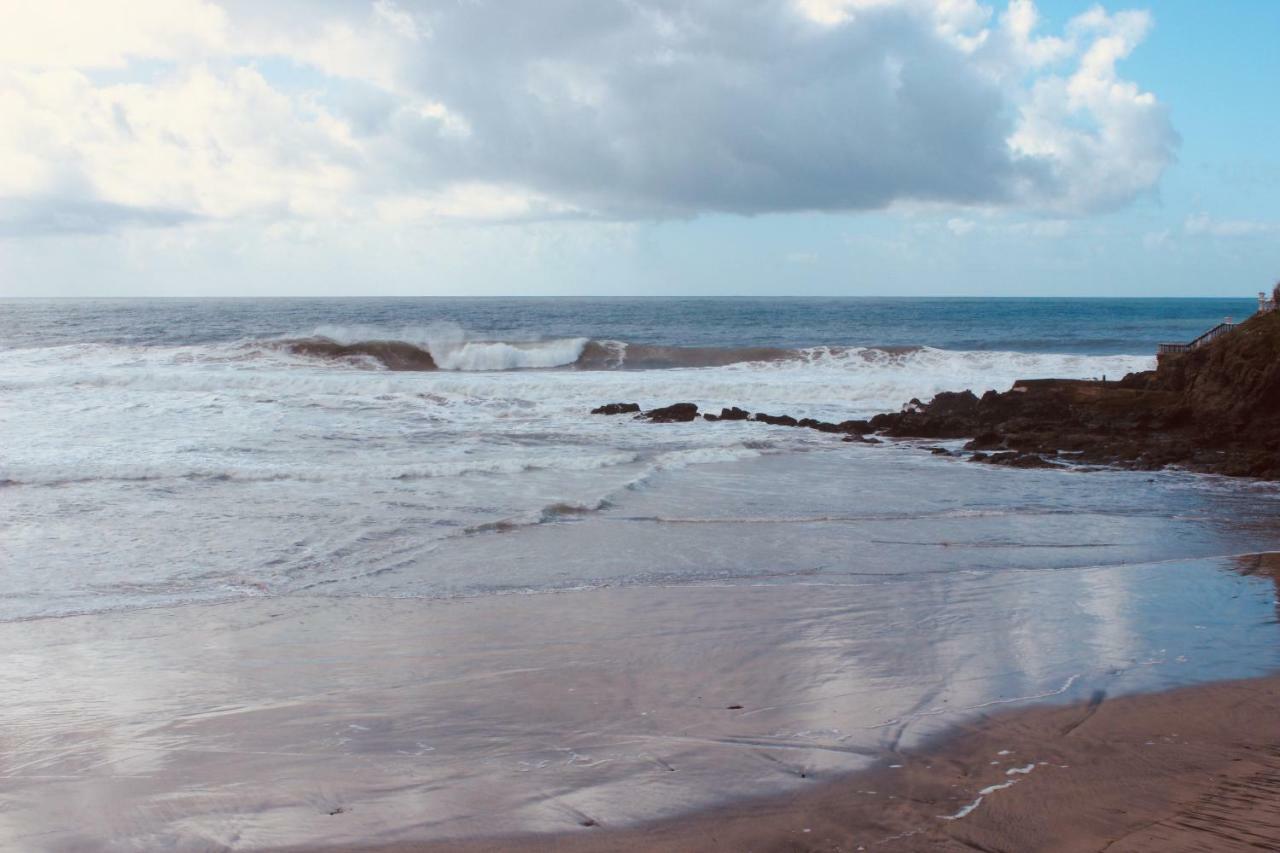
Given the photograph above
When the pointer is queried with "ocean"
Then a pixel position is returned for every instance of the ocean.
(164, 451)
(363, 551)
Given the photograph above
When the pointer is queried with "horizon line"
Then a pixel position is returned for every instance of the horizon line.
(653, 296)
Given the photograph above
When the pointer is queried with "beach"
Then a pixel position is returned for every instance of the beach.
(300, 601)
(340, 724)
(1191, 769)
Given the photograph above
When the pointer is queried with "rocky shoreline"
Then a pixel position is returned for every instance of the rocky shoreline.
(1214, 409)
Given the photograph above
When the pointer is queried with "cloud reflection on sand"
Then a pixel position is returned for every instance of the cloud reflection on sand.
(247, 723)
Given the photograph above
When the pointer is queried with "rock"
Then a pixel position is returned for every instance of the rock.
(616, 409)
(1215, 409)
(394, 355)
(853, 430)
(675, 413)
(986, 441)
(952, 403)
(820, 426)
(1013, 459)
(938, 451)
(855, 427)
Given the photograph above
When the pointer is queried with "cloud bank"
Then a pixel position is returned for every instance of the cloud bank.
(159, 112)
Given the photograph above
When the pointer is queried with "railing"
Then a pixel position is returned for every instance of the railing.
(1208, 337)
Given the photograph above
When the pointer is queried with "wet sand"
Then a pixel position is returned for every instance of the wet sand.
(606, 717)
(1190, 769)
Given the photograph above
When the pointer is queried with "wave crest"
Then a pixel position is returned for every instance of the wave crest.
(450, 349)
(439, 347)
(428, 349)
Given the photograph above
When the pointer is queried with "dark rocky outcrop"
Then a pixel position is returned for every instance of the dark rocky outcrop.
(1014, 459)
(1215, 408)
(393, 355)
(855, 427)
(616, 409)
(732, 414)
(853, 430)
(675, 413)
(985, 441)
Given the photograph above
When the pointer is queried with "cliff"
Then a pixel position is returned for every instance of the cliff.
(1214, 409)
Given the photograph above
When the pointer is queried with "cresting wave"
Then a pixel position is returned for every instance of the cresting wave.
(569, 353)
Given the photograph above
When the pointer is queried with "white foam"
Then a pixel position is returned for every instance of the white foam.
(983, 794)
(700, 456)
(852, 383)
(500, 355)
(452, 347)
(376, 465)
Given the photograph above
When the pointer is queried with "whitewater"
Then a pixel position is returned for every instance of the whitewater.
(159, 452)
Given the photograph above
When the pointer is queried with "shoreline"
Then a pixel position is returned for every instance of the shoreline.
(629, 718)
(1187, 768)
(1193, 768)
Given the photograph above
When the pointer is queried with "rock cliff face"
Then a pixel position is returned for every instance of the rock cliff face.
(1232, 386)
(1214, 409)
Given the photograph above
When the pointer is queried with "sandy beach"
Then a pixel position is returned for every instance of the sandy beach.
(1183, 770)
(341, 723)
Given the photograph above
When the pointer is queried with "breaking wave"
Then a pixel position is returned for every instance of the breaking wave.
(449, 348)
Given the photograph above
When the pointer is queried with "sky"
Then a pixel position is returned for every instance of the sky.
(631, 147)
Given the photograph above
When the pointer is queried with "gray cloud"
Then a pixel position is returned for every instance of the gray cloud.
(616, 109)
(741, 107)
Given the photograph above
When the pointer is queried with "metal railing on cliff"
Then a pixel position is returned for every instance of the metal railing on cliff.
(1264, 305)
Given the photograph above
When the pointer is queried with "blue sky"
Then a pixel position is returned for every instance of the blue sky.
(1214, 65)
(860, 147)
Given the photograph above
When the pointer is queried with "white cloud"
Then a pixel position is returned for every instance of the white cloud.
(1202, 224)
(1103, 140)
(397, 111)
(198, 144)
(1051, 229)
(401, 21)
(107, 33)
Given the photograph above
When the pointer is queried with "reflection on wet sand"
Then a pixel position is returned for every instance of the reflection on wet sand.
(342, 720)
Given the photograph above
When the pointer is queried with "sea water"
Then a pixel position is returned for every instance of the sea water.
(155, 452)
